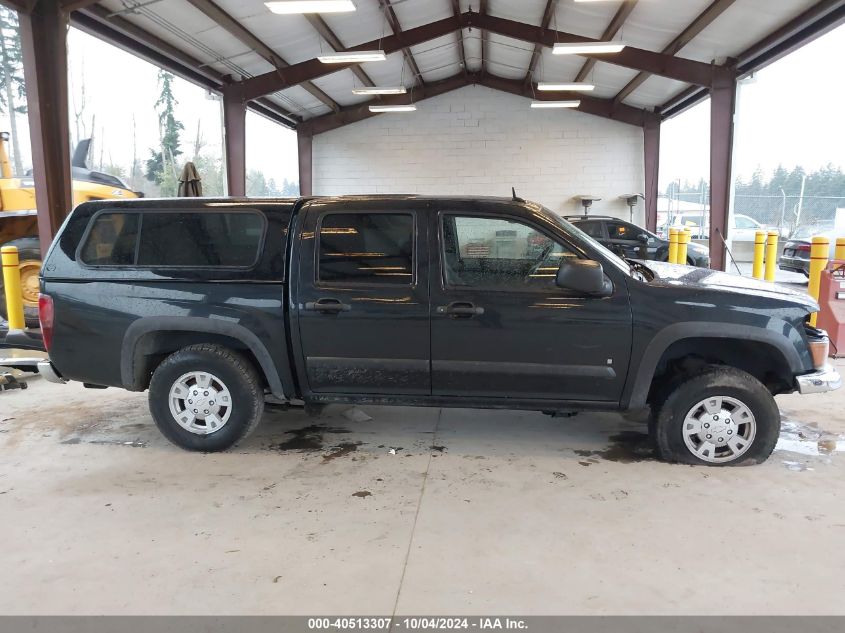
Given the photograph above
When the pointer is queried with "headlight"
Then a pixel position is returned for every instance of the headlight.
(819, 348)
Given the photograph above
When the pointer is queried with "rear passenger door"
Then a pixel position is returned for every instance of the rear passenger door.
(362, 304)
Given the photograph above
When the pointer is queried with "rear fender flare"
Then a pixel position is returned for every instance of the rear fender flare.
(147, 325)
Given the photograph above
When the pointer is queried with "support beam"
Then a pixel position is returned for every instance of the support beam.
(677, 68)
(327, 34)
(44, 42)
(456, 11)
(312, 69)
(548, 14)
(485, 38)
(396, 28)
(248, 39)
(589, 105)
(234, 133)
(361, 111)
(609, 33)
(704, 19)
(651, 162)
(819, 19)
(722, 107)
(304, 143)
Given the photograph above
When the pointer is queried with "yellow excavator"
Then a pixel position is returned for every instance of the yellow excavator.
(19, 222)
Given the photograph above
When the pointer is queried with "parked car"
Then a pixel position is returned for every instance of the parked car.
(743, 229)
(215, 305)
(634, 242)
(796, 251)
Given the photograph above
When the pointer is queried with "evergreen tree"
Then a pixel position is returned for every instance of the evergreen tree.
(161, 166)
(12, 91)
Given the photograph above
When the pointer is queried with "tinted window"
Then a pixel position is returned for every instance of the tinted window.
(112, 240)
(592, 228)
(200, 239)
(174, 239)
(499, 253)
(367, 248)
(622, 231)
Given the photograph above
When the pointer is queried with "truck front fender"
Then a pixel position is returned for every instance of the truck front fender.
(639, 384)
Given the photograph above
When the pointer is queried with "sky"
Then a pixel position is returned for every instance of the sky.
(790, 113)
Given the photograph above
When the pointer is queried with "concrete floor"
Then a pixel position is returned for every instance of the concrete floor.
(415, 511)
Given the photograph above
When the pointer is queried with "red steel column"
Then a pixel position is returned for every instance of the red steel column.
(304, 141)
(44, 44)
(651, 147)
(722, 108)
(234, 131)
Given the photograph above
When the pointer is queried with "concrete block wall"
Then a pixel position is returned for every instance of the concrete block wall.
(478, 141)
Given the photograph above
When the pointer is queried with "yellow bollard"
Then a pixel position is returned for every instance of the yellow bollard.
(673, 246)
(12, 286)
(839, 253)
(684, 238)
(771, 255)
(759, 250)
(819, 252)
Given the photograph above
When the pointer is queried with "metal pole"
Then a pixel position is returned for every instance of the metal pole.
(722, 107)
(234, 123)
(12, 286)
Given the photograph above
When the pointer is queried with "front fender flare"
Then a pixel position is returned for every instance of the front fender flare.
(641, 383)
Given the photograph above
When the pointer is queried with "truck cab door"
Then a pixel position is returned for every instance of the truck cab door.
(360, 298)
(501, 328)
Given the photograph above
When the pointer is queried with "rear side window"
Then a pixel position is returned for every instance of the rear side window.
(371, 248)
(112, 240)
(186, 240)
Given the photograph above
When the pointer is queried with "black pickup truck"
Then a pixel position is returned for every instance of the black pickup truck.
(218, 305)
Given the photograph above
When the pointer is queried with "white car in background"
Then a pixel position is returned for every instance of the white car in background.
(743, 229)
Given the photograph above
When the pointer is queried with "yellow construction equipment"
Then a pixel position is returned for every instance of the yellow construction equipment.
(19, 222)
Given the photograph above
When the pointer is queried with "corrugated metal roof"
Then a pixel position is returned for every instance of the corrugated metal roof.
(651, 25)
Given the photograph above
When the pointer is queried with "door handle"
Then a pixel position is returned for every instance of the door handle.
(327, 306)
(461, 309)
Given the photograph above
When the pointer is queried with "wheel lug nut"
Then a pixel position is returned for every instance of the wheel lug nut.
(715, 417)
(730, 432)
(205, 411)
(190, 401)
(195, 411)
(709, 436)
(205, 393)
(211, 402)
(706, 425)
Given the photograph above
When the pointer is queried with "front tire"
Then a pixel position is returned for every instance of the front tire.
(206, 398)
(720, 417)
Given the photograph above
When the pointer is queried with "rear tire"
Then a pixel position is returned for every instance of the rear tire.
(719, 417)
(206, 398)
(29, 254)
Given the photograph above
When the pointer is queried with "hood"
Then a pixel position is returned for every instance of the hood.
(715, 280)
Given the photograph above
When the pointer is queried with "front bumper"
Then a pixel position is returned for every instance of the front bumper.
(819, 381)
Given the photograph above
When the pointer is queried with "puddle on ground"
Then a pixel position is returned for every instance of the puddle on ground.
(311, 439)
(627, 447)
(308, 438)
(805, 439)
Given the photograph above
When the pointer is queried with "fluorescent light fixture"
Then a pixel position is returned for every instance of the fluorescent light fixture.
(587, 48)
(352, 57)
(376, 90)
(393, 108)
(577, 86)
(286, 7)
(555, 104)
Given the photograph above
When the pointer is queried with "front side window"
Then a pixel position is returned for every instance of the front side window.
(593, 228)
(368, 248)
(499, 254)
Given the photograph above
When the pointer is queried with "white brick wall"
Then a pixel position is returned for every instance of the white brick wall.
(478, 141)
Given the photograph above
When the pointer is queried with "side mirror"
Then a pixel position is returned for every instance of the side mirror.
(644, 238)
(584, 276)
